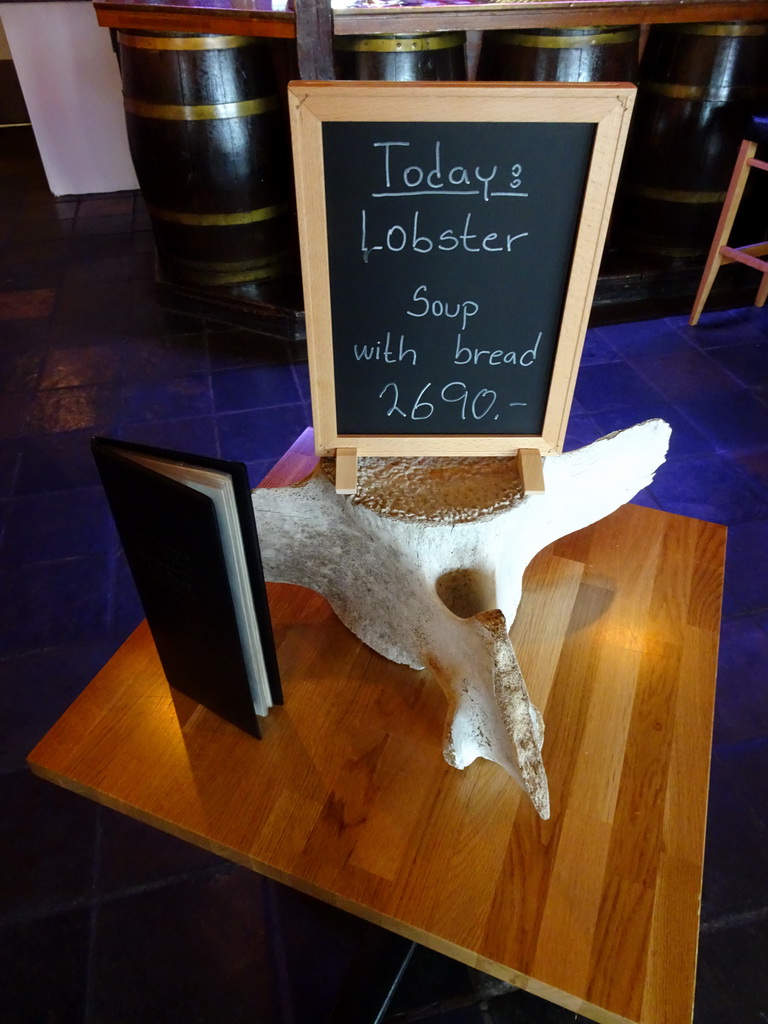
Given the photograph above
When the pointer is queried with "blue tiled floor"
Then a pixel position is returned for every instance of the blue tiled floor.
(105, 921)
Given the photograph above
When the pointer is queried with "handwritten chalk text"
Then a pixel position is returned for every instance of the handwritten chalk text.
(467, 404)
(437, 307)
(397, 238)
(385, 353)
(495, 357)
(418, 180)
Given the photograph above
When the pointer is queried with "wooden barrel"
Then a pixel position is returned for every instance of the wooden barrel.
(211, 155)
(699, 85)
(587, 54)
(424, 57)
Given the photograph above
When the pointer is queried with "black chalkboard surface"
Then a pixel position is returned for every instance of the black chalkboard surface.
(450, 249)
(450, 239)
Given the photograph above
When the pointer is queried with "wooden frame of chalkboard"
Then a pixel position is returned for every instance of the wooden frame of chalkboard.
(450, 242)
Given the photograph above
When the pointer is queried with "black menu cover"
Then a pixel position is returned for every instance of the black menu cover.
(176, 541)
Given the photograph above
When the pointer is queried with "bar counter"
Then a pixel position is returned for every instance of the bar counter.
(695, 92)
(276, 18)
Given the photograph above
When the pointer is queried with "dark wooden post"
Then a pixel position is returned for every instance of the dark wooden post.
(314, 39)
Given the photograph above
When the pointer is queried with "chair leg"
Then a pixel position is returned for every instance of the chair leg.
(713, 264)
(724, 225)
(762, 291)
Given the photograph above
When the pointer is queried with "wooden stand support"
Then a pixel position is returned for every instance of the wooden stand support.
(531, 471)
(346, 470)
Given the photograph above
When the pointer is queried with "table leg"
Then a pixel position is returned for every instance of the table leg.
(372, 978)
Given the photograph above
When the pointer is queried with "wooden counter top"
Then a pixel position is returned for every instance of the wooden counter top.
(348, 798)
(219, 17)
(277, 17)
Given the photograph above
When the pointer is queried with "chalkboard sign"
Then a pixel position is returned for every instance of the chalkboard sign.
(450, 238)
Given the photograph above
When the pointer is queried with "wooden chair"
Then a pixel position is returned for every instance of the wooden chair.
(720, 252)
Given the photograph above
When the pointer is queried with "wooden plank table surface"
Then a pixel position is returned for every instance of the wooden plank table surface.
(347, 797)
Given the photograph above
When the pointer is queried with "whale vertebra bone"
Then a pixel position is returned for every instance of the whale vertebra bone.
(425, 565)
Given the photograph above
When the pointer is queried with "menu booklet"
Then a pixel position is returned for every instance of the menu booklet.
(187, 527)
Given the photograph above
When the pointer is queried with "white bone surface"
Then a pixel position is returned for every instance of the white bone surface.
(425, 565)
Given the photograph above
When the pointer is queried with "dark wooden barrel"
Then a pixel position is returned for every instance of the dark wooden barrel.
(211, 155)
(586, 54)
(699, 85)
(424, 57)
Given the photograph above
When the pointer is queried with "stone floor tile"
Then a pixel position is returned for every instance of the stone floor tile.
(231, 347)
(37, 688)
(48, 843)
(14, 415)
(726, 327)
(317, 944)
(51, 604)
(89, 364)
(252, 387)
(112, 205)
(741, 708)
(732, 982)
(56, 462)
(153, 401)
(45, 969)
(685, 375)
(747, 767)
(707, 488)
(197, 435)
(754, 465)
(63, 409)
(746, 580)
(734, 422)
(27, 305)
(686, 440)
(731, 822)
(650, 337)
(748, 363)
(10, 457)
(430, 980)
(49, 527)
(199, 950)
(598, 349)
(133, 854)
(260, 433)
(19, 371)
(159, 359)
(612, 386)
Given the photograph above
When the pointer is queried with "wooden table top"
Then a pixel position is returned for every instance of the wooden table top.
(347, 797)
(277, 17)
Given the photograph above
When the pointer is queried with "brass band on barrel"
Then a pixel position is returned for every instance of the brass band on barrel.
(398, 44)
(703, 92)
(154, 42)
(674, 252)
(218, 219)
(239, 272)
(735, 29)
(698, 83)
(585, 53)
(201, 111)
(675, 195)
(563, 41)
(205, 132)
